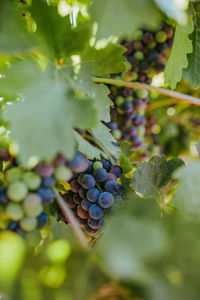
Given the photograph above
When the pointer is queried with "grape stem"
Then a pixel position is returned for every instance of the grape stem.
(143, 86)
(72, 220)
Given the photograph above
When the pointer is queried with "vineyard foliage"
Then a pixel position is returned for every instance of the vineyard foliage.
(52, 54)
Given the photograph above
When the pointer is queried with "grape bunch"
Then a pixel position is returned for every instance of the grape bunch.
(146, 55)
(25, 193)
(93, 194)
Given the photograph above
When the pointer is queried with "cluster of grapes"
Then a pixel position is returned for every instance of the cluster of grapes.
(146, 56)
(93, 194)
(25, 193)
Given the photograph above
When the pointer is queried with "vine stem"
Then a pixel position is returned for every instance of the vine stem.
(143, 86)
(72, 220)
(163, 102)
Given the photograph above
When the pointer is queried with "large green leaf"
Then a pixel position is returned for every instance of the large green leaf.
(43, 123)
(122, 18)
(192, 73)
(178, 58)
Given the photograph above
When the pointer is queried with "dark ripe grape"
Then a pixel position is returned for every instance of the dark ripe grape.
(159, 67)
(85, 204)
(44, 169)
(3, 198)
(13, 226)
(125, 136)
(83, 214)
(90, 167)
(131, 115)
(127, 107)
(82, 193)
(132, 130)
(112, 187)
(59, 160)
(169, 32)
(112, 125)
(5, 155)
(23, 1)
(42, 220)
(144, 67)
(96, 212)
(113, 112)
(127, 92)
(106, 199)
(153, 58)
(142, 77)
(106, 164)
(79, 177)
(100, 174)
(138, 103)
(69, 200)
(147, 38)
(111, 177)
(77, 199)
(93, 194)
(117, 170)
(82, 222)
(74, 186)
(163, 48)
(94, 224)
(137, 45)
(21, 232)
(128, 47)
(46, 194)
(79, 163)
(91, 232)
(87, 181)
(48, 181)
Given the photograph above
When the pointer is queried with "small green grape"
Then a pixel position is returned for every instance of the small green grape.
(62, 173)
(14, 211)
(139, 55)
(161, 36)
(28, 224)
(17, 191)
(142, 94)
(119, 100)
(32, 180)
(127, 76)
(33, 205)
(97, 165)
(137, 36)
(117, 134)
(141, 130)
(13, 174)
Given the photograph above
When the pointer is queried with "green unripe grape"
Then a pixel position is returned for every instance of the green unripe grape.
(120, 111)
(137, 36)
(141, 130)
(33, 205)
(32, 180)
(152, 45)
(140, 111)
(14, 211)
(135, 76)
(119, 100)
(127, 76)
(151, 73)
(62, 173)
(13, 174)
(28, 224)
(130, 98)
(161, 36)
(139, 55)
(97, 165)
(142, 94)
(117, 134)
(17, 191)
(128, 65)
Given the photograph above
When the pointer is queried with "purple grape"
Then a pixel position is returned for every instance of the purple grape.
(112, 187)
(69, 200)
(59, 160)
(106, 164)
(127, 107)
(93, 194)
(88, 181)
(112, 125)
(94, 224)
(42, 220)
(85, 204)
(106, 199)
(79, 163)
(74, 186)
(46, 194)
(3, 198)
(117, 171)
(83, 214)
(132, 130)
(96, 212)
(13, 226)
(44, 169)
(100, 174)
(90, 167)
(111, 177)
(48, 181)
(82, 193)
(77, 199)
(91, 232)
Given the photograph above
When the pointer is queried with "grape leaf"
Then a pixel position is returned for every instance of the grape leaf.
(86, 148)
(154, 175)
(105, 139)
(178, 58)
(56, 31)
(192, 72)
(43, 123)
(125, 163)
(173, 10)
(122, 18)
(187, 198)
(14, 38)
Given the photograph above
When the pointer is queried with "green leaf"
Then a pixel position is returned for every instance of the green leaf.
(105, 139)
(187, 198)
(56, 31)
(88, 149)
(192, 72)
(178, 58)
(154, 175)
(198, 148)
(13, 35)
(122, 18)
(43, 123)
(173, 10)
(125, 163)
